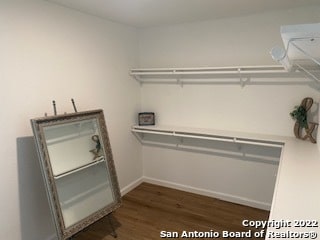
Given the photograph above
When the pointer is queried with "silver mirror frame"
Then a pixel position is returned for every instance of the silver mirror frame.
(38, 125)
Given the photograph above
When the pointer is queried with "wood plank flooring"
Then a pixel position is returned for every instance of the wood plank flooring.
(149, 209)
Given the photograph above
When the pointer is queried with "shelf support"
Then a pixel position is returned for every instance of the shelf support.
(179, 81)
(240, 78)
(181, 142)
(138, 79)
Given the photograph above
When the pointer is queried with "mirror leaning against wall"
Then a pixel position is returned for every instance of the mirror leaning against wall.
(78, 169)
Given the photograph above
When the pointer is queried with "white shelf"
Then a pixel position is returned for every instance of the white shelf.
(192, 75)
(253, 147)
(301, 49)
(213, 135)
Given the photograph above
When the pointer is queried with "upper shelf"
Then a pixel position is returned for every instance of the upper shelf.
(185, 75)
(301, 49)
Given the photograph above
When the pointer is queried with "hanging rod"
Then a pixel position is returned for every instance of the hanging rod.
(208, 75)
(222, 139)
(208, 70)
(273, 160)
(158, 132)
(79, 168)
(239, 140)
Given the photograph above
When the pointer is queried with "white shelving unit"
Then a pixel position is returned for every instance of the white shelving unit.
(270, 147)
(210, 135)
(243, 74)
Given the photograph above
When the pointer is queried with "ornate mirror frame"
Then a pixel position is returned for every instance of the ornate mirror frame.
(41, 127)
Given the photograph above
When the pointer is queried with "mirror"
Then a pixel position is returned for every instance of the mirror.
(78, 169)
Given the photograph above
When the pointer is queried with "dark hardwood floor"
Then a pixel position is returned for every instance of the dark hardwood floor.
(149, 209)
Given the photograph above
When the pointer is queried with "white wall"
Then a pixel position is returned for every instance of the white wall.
(259, 108)
(226, 42)
(50, 53)
(239, 41)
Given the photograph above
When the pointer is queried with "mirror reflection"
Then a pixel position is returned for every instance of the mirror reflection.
(73, 145)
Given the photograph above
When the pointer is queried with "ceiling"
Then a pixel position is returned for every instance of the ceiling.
(150, 13)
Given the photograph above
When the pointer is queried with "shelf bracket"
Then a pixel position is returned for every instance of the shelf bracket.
(181, 141)
(138, 79)
(244, 82)
(238, 144)
(239, 72)
(180, 82)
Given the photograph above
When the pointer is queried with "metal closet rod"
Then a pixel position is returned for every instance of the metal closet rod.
(204, 149)
(208, 70)
(79, 168)
(208, 137)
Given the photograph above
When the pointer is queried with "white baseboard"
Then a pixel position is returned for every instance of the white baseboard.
(200, 191)
(131, 186)
(209, 193)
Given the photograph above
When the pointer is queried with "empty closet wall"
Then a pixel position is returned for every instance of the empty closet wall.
(258, 107)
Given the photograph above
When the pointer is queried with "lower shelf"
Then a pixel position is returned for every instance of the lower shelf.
(206, 136)
(254, 147)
